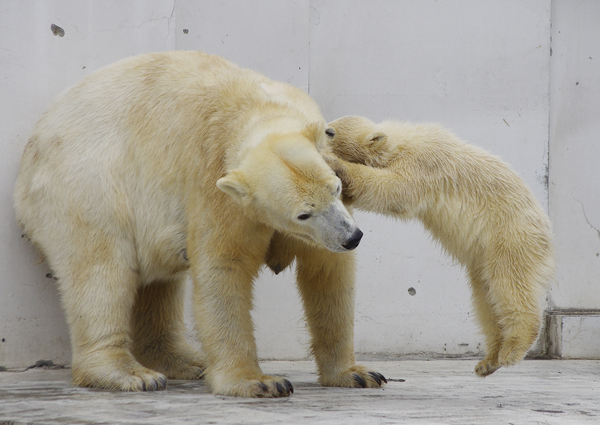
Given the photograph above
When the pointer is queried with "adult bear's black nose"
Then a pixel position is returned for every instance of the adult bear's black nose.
(354, 240)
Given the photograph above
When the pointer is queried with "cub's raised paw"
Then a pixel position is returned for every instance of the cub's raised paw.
(511, 352)
(263, 387)
(356, 377)
(486, 367)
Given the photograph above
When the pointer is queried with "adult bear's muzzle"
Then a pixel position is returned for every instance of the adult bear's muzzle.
(354, 240)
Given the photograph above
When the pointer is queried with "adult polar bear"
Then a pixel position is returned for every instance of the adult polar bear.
(174, 162)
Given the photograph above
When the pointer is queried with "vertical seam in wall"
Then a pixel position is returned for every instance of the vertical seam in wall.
(173, 20)
(547, 329)
(549, 113)
(309, 51)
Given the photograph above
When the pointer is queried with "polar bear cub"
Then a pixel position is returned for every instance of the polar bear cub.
(478, 209)
(172, 164)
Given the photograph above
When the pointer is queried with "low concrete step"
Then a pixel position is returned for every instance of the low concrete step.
(573, 334)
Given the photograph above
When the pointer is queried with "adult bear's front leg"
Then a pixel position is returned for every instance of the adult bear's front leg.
(326, 282)
(225, 261)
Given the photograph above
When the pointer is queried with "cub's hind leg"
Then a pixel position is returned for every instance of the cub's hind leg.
(158, 331)
(520, 318)
(514, 303)
(488, 322)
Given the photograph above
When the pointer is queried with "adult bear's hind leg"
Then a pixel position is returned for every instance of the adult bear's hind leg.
(158, 331)
(98, 291)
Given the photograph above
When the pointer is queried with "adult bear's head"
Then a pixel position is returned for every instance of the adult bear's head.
(285, 183)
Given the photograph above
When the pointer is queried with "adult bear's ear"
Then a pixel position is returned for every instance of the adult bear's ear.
(376, 140)
(234, 184)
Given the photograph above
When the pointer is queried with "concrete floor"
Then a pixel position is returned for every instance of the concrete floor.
(433, 392)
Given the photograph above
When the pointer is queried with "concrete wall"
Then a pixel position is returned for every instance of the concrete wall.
(574, 178)
(482, 69)
(35, 66)
(575, 152)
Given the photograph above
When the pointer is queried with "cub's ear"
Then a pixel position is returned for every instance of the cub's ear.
(376, 140)
(234, 184)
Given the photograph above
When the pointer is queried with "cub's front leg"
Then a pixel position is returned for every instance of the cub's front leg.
(326, 282)
(379, 190)
(224, 261)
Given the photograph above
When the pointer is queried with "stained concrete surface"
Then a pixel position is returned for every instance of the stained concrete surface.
(433, 392)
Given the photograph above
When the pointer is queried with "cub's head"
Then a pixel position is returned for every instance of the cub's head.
(285, 183)
(358, 139)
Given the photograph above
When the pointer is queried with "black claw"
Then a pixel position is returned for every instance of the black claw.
(360, 381)
(280, 388)
(376, 377)
(263, 387)
(162, 381)
(382, 378)
(144, 386)
(288, 386)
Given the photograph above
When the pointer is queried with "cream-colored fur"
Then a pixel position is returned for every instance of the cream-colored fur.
(174, 163)
(479, 210)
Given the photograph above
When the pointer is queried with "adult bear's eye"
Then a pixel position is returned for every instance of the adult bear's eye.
(303, 217)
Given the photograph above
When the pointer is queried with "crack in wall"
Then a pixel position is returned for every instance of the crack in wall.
(586, 218)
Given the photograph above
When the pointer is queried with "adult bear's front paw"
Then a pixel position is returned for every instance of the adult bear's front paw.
(356, 377)
(263, 386)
